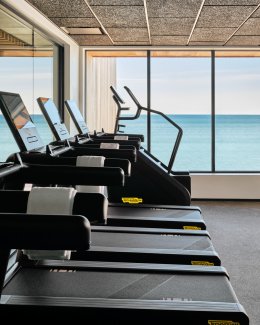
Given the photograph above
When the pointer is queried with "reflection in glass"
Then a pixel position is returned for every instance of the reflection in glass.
(27, 67)
(18, 111)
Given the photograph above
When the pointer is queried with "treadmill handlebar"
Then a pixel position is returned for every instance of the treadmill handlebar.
(42, 159)
(129, 144)
(122, 163)
(63, 174)
(129, 154)
(42, 231)
(9, 170)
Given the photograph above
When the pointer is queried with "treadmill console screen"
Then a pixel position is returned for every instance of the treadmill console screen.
(50, 108)
(20, 122)
(18, 111)
(50, 111)
(77, 117)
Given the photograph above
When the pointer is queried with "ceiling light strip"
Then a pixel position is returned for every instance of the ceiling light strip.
(241, 25)
(196, 20)
(169, 48)
(102, 26)
(147, 22)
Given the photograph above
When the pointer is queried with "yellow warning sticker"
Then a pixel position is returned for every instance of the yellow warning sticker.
(191, 228)
(132, 200)
(222, 322)
(205, 263)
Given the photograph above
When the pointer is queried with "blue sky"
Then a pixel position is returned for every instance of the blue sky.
(182, 85)
(179, 85)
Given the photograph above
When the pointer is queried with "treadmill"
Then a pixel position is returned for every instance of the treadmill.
(126, 244)
(50, 112)
(112, 243)
(141, 215)
(104, 291)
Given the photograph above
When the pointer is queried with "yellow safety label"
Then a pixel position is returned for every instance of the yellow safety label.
(222, 322)
(205, 263)
(132, 200)
(191, 228)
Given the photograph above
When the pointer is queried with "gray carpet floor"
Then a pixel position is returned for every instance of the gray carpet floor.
(235, 232)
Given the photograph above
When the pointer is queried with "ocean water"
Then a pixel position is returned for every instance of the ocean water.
(237, 145)
(237, 140)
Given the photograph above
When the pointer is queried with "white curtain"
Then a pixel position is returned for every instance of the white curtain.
(100, 107)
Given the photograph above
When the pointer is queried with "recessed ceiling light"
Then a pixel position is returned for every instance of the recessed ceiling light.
(82, 30)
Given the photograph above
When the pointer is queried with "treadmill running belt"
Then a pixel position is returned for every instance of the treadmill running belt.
(148, 212)
(155, 218)
(108, 239)
(121, 285)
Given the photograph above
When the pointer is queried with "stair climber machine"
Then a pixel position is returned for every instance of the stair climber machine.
(32, 150)
(151, 179)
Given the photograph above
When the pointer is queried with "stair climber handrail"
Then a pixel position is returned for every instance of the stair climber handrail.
(138, 112)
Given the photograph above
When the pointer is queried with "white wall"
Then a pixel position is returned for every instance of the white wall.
(225, 186)
(71, 80)
(71, 49)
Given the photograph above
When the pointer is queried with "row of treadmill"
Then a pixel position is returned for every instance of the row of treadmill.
(106, 232)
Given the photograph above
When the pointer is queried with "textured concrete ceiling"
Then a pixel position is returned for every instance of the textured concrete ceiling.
(159, 22)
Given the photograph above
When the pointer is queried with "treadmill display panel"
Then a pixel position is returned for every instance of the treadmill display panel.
(76, 116)
(20, 122)
(51, 110)
(52, 116)
(18, 112)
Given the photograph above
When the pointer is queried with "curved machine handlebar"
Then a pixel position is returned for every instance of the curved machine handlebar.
(138, 113)
(115, 93)
(132, 96)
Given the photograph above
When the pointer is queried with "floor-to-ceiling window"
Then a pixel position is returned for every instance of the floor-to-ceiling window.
(132, 72)
(28, 64)
(237, 111)
(212, 96)
(181, 88)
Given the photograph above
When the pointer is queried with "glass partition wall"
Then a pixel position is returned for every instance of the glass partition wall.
(212, 96)
(28, 66)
